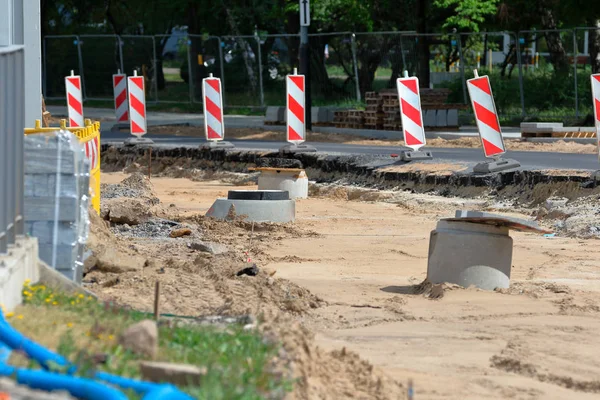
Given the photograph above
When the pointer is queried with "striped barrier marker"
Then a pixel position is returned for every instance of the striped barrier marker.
(596, 99)
(486, 115)
(488, 125)
(214, 128)
(296, 113)
(410, 110)
(74, 100)
(137, 105)
(120, 94)
(92, 151)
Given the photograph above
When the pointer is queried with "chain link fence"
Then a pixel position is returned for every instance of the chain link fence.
(534, 74)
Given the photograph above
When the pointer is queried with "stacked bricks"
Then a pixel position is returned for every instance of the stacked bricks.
(57, 174)
(392, 121)
(349, 119)
(374, 111)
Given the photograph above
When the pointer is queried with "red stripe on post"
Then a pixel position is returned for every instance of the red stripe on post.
(121, 98)
(72, 123)
(597, 109)
(296, 108)
(597, 77)
(212, 134)
(213, 109)
(298, 81)
(411, 140)
(135, 128)
(412, 85)
(486, 116)
(293, 135)
(482, 83)
(138, 81)
(490, 148)
(214, 83)
(117, 80)
(411, 112)
(124, 117)
(75, 104)
(75, 82)
(138, 106)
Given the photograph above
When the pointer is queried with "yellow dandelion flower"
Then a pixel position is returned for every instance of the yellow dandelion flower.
(55, 303)
(81, 296)
(90, 298)
(69, 324)
(72, 303)
(110, 337)
(9, 314)
(48, 300)
(87, 334)
(27, 281)
(19, 316)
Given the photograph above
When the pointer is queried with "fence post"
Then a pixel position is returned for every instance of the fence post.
(80, 57)
(222, 69)
(121, 55)
(155, 77)
(404, 66)
(190, 72)
(260, 75)
(520, 66)
(355, 63)
(575, 54)
(462, 67)
(44, 69)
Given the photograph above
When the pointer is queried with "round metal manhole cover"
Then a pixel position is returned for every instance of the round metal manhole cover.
(258, 195)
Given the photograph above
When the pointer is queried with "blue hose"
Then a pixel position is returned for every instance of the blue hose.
(13, 339)
(151, 390)
(81, 388)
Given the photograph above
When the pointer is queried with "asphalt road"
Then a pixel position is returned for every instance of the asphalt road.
(530, 160)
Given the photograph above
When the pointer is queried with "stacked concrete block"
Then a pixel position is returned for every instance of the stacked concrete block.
(57, 175)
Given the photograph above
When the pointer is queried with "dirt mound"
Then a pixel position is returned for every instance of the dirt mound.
(136, 186)
(109, 254)
(324, 374)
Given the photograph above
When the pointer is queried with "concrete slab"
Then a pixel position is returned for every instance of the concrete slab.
(17, 266)
(138, 141)
(441, 118)
(526, 126)
(517, 224)
(290, 180)
(415, 155)
(274, 114)
(319, 115)
(452, 118)
(300, 148)
(217, 145)
(280, 211)
(429, 118)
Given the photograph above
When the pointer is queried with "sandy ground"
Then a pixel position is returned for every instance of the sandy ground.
(537, 340)
(468, 142)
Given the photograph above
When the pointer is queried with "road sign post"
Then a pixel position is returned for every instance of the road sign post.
(305, 56)
(595, 81)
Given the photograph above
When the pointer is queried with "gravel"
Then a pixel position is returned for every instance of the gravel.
(154, 228)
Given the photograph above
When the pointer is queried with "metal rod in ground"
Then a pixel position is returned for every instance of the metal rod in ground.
(156, 300)
(305, 70)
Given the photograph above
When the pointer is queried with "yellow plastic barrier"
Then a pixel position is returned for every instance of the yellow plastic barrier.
(88, 136)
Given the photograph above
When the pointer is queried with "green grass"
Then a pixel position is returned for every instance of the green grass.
(236, 360)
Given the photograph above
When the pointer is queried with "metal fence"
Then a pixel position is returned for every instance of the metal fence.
(12, 117)
(344, 66)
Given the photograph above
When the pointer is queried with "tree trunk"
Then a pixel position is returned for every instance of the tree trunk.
(423, 44)
(594, 46)
(558, 57)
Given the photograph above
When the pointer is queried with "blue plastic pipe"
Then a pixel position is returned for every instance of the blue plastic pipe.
(81, 388)
(151, 390)
(16, 341)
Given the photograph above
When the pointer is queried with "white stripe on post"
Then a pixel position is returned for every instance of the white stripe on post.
(596, 105)
(214, 128)
(120, 96)
(74, 101)
(411, 113)
(484, 108)
(137, 105)
(295, 109)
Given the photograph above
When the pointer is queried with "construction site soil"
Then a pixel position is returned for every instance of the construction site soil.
(341, 288)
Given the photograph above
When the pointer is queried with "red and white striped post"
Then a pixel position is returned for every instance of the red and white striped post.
(488, 125)
(74, 100)
(120, 95)
(296, 112)
(137, 105)
(214, 128)
(410, 110)
(596, 99)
